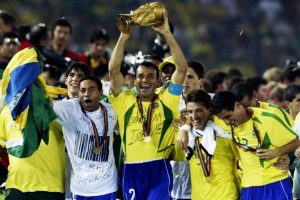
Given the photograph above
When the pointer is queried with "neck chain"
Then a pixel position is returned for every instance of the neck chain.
(146, 122)
(97, 148)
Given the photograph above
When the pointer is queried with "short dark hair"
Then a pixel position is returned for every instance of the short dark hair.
(149, 65)
(197, 67)
(9, 35)
(92, 78)
(38, 33)
(7, 18)
(78, 66)
(224, 100)
(242, 90)
(217, 79)
(99, 34)
(291, 91)
(255, 82)
(291, 71)
(199, 96)
(62, 22)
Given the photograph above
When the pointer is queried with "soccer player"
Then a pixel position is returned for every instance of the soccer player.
(88, 131)
(145, 121)
(213, 166)
(262, 137)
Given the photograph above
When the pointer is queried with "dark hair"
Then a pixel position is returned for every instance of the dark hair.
(291, 71)
(224, 100)
(153, 57)
(199, 96)
(92, 78)
(217, 79)
(38, 33)
(99, 34)
(235, 72)
(255, 82)
(290, 92)
(242, 90)
(9, 35)
(62, 22)
(78, 66)
(197, 67)
(7, 18)
(149, 65)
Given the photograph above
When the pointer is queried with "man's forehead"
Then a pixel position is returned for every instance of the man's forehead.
(77, 71)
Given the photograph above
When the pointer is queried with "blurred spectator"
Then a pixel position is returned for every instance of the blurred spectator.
(291, 73)
(61, 34)
(8, 48)
(259, 88)
(292, 99)
(273, 74)
(235, 72)
(99, 54)
(276, 97)
(7, 22)
(219, 82)
(40, 35)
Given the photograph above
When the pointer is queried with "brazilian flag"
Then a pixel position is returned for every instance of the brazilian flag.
(24, 92)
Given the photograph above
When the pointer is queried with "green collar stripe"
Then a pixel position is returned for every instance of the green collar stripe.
(256, 120)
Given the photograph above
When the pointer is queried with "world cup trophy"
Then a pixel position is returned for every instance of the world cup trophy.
(149, 14)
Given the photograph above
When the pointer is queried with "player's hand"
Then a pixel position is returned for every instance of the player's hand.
(182, 139)
(283, 163)
(267, 154)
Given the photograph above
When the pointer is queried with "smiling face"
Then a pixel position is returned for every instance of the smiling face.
(198, 114)
(236, 117)
(89, 95)
(72, 82)
(146, 82)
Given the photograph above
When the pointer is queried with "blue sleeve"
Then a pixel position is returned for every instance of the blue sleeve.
(175, 89)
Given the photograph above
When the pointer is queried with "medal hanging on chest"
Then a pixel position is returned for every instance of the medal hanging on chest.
(97, 149)
(146, 122)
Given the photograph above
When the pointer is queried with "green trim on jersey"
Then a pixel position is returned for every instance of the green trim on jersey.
(283, 112)
(126, 121)
(167, 122)
(267, 114)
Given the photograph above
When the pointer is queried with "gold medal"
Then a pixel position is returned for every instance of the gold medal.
(97, 150)
(148, 139)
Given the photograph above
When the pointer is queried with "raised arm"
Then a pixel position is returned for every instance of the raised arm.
(114, 66)
(176, 52)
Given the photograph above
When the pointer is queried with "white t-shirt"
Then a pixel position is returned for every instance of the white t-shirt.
(93, 174)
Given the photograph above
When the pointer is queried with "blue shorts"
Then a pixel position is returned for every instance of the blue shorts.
(151, 180)
(280, 190)
(110, 196)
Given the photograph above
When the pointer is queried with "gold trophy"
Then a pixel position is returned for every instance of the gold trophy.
(150, 14)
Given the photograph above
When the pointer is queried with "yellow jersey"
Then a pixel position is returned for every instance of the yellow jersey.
(273, 133)
(162, 130)
(45, 169)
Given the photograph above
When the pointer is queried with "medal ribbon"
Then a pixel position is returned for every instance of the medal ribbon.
(204, 162)
(105, 126)
(243, 146)
(146, 122)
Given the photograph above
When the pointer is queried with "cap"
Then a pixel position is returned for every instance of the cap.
(168, 60)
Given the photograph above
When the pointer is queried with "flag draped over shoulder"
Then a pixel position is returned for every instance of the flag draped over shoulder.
(24, 92)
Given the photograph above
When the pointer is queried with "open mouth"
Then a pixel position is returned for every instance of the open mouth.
(145, 87)
(74, 85)
(88, 102)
